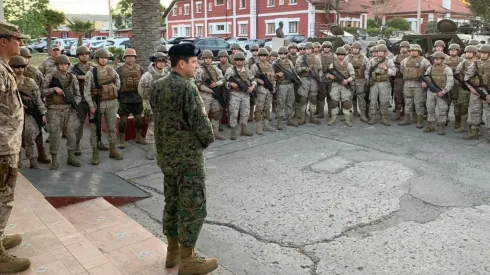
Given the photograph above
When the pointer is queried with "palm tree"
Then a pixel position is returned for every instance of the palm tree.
(52, 20)
(81, 28)
(146, 23)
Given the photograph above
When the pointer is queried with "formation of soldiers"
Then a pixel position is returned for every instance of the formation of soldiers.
(295, 83)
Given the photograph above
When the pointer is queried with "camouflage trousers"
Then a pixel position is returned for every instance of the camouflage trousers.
(415, 97)
(285, 96)
(8, 179)
(185, 202)
(150, 130)
(308, 91)
(399, 96)
(108, 110)
(324, 94)
(381, 90)
(432, 101)
(211, 104)
(477, 106)
(62, 120)
(461, 103)
(31, 132)
(239, 102)
(360, 86)
(263, 104)
(341, 93)
(83, 113)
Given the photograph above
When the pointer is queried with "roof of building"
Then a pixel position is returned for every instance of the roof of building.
(88, 17)
(430, 6)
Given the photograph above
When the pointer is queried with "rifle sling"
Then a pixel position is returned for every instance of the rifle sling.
(208, 72)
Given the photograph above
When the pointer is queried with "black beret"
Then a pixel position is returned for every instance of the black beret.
(184, 49)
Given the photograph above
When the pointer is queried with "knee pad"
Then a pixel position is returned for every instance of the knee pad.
(313, 100)
(303, 101)
(333, 104)
(347, 104)
(217, 115)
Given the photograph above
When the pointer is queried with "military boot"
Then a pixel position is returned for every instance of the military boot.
(420, 122)
(302, 118)
(11, 241)
(292, 121)
(430, 127)
(139, 138)
(372, 120)
(34, 164)
(442, 129)
(11, 264)
(384, 120)
(152, 151)
(332, 120)
(173, 253)
(191, 264)
(462, 127)
(258, 128)
(473, 134)
(54, 162)
(78, 151)
(95, 156)
(406, 121)
(279, 124)
(397, 115)
(314, 120)
(102, 146)
(72, 160)
(113, 154)
(233, 133)
(42, 156)
(363, 117)
(245, 131)
(347, 121)
(457, 122)
(268, 127)
(216, 133)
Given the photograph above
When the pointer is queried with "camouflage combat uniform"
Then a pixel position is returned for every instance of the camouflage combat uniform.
(47, 66)
(80, 70)
(453, 62)
(398, 84)
(34, 73)
(327, 59)
(285, 93)
(309, 88)
(477, 105)
(263, 101)
(341, 93)
(359, 63)
(443, 78)
(463, 100)
(381, 88)
(412, 68)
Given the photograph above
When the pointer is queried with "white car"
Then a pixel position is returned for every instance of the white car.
(73, 49)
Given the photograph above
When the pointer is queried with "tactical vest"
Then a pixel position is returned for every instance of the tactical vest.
(252, 61)
(131, 78)
(453, 62)
(379, 75)
(155, 76)
(81, 83)
(30, 72)
(26, 87)
(342, 68)
(106, 90)
(55, 99)
(466, 65)
(27, 94)
(358, 64)
(244, 76)
(310, 62)
(398, 60)
(211, 71)
(266, 68)
(286, 66)
(293, 58)
(224, 67)
(413, 68)
(484, 71)
(437, 73)
(327, 60)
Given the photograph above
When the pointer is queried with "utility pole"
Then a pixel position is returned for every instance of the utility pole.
(111, 33)
(2, 19)
(419, 15)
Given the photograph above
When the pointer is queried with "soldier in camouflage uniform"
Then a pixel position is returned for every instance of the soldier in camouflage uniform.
(464, 96)
(348, 48)
(31, 97)
(285, 90)
(389, 55)
(130, 102)
(62, 117)
(264, 96)
(206, 73)
(368, 49)
(106, 91)
(293, 52)
(11, 124)
(293, 56)
(439, 46)
(412, 68)
(453, 60)
(398, 80)
(378, 72)
(156, 71)
(224, 65)
(316, 49)
(239, 99)
(442, 75)
(341, 88)
(359, 62)
(305, 65)
(254, 49)
(326, 58)
(479, 76)
(48, 65)
(180, 155)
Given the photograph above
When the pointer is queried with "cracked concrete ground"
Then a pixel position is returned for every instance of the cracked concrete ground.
(335, 200)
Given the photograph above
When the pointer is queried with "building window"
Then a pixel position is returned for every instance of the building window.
(188, 31)
(174, 11)
(220, 28)
(228, 4)
(292, 2)
(210, 6)
(243, 29)
(186, 9)
(281, 2)
(180, 10)
(243, 4)
(219, 2)
(293, 27)
(175, 31)
(271, 28)
(210, 29)
(198, 30)
(198, 7)
(270, 3)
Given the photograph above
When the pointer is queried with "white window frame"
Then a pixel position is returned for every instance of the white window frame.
(228, 4)
(186, 9)
(267, 28)
(240, 24)
(270, 5)
(180, 10)
(210, 6)
(212, 28)
(281, 2)
(216, 3)
(289, 27)
(175, 31)
(202, 29)
(198, 4)
(187, 34)
(293, 2)
(243, 2)
(174, 11)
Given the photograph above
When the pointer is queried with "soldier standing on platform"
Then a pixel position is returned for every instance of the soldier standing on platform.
(180, 155)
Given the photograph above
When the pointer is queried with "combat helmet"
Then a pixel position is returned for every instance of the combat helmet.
(301, 46)
(308, 45)
(341, 50)
(235, 46)
(129, 52)
(283, 50)
(316, 44)
(24, 52)
(62, 59)
(439, 55)
(17, 61)
(263, 51)
(161, 49)
(274, 53)
(239, 55)
(207, 54)
(223, 53)
(382, 48)
(371, 44)
(470, 49)
(292, 45)
(327, 44)
(374, 49)
(454, 46)
(415, 47)
(485, 48)
(81, 50)
(347, 47)
(254, 47)
(102, 53)
(473, 42)
(439, 43)
(158, 56)
(269, 48)
(405, 44)
(356, 45)
(381, 42)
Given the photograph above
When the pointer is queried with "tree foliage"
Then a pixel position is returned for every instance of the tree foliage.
(81, 28)
(372, 23)
(122, 15)
(480, 8)
(399, 23)
(431, 27)
(27, 15)
(52, 20)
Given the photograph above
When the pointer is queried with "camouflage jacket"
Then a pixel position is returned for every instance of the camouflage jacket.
(73, 86)
(90, 84)
(28, 84)
(182, 127)
(34, 73)
(11, 112)
(145, 84)
(47, 66)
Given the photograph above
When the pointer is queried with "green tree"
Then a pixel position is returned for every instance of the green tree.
(52, 20)
(399, 23)
(480, 8)
(372, 23)
(81, 28)
(431, 27)
(123, 14)
(27, 15)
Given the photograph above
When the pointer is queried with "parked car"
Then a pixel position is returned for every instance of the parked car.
(94, 48)
(98, 38)
(175, 40)
(237, 40)
(209, 43)
(74, 46)
(31, 46)
(41, 44)
(68, 42)
(259, 42)
(296, 38)
(122, 43)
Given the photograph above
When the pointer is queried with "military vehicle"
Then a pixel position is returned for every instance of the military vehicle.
(335, 40)
(447, 33)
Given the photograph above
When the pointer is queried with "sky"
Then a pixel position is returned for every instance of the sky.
(88, 6)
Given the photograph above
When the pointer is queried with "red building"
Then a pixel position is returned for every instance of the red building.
(252, 18)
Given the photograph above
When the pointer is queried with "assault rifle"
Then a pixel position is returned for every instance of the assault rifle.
(314, 75)
(241, 84)
(338, 76)
(69, 99)
(427, 79)
(98, 115)
(32, 109)
(267, 83)
(291, 76)
(218, 91)
(480, 89)
(460, 80)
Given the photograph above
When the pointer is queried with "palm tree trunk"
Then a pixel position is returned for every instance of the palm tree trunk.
(80, 41)
(146, 22)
